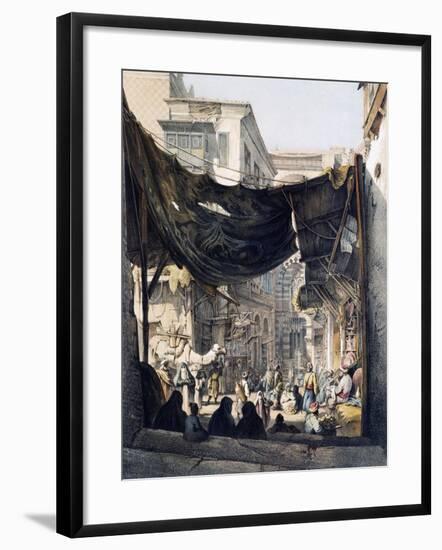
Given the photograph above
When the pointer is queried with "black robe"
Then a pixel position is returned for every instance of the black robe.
(250, 426)
(153, 396)
(221, 422)
(282, 427)
(171, 417)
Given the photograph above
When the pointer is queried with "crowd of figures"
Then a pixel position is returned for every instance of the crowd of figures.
(172, 417)
(192, 382)
(184, 393)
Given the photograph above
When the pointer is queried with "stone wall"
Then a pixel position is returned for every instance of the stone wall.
(157, 453)
(132, 404)
(375, 184)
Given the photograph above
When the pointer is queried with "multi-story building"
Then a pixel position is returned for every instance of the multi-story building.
(297, 166)
(221, 137)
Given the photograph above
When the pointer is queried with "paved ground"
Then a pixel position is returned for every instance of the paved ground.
(296, 419)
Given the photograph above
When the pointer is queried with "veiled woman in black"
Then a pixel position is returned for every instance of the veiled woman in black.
(171, 416)
(250, 426)
(153, 396)
(221, 422)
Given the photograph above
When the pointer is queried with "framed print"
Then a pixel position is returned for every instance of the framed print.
(243, 284)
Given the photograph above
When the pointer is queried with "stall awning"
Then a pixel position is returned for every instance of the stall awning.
(327, 229)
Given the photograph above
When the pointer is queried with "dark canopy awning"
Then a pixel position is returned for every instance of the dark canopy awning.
(222, 234)
(328, 239)
(228, 234)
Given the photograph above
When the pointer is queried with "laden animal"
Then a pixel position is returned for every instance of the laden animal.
(183, 352)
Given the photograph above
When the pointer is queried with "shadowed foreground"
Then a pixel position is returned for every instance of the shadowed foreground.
(157, 453)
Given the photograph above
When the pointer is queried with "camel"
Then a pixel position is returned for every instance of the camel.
(183, 352)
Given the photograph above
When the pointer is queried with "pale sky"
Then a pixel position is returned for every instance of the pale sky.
(293, 114)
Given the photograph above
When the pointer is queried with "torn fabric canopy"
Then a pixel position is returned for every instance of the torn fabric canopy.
(221, 234)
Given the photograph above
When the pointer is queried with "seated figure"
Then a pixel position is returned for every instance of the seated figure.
(222, 422)
(250, 426)
(193, 431)
(281, 427)
(171, 416)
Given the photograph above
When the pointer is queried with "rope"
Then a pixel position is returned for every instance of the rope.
(194, 165)
(245, 174)
(290, 203)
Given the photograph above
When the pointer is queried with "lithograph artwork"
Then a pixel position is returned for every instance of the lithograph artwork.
(254, 274)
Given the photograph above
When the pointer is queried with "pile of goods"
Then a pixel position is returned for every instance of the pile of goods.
(328, 423)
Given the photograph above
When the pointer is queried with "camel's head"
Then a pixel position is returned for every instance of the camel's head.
(216, 348)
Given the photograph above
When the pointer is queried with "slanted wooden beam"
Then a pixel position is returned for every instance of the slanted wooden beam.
(157, 274)
(342, 224)
(360, 213)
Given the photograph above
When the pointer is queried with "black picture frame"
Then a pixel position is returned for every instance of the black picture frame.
(70, 273)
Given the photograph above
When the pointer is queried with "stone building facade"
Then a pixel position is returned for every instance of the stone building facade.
(256, 312)
(221, 137)
(300, 337)
(296, 166)
(375, 154)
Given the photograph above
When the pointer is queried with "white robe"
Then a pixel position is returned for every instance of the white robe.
(343, 389)
(312, 425)
(187, 398)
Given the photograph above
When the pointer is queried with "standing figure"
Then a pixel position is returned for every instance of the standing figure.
(278, 387)
(165, 379)
(237, 371)
(194, 368)
(221, 422)
(297, 398)
(242, 391)
(310, 387)
(250, 426)
(222, 379)
(325, 384)
(267, 382)
(227, 375)
(171, 416)
(193, 431)
(312, 424)
(262, 406)
(200, 386)
(185, 382)
(213, 382)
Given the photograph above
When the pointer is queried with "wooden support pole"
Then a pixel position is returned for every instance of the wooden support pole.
(360, 214)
